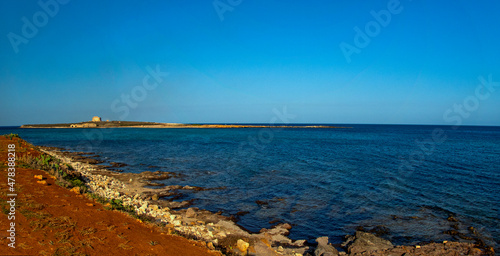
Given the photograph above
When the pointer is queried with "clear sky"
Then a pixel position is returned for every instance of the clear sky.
(235, 61)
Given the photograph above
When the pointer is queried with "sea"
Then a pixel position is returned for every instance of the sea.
(405, 180)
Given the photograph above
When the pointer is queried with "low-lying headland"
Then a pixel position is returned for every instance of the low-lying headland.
(133, 124)
(133, 193)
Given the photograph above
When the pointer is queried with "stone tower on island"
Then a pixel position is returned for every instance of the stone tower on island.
(96, 119)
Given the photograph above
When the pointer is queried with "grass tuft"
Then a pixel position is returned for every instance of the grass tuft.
(125, 246)
(88, 231)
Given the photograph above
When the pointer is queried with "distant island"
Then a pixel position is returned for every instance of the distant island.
(96, 122)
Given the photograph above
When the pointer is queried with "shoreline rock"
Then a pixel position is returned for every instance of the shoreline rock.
(219, 231)
(364, 244)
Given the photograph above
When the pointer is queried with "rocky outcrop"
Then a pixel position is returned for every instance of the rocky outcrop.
(324, 248)
(366, 242)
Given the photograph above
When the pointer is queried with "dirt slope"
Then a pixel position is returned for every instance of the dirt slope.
(51, 220)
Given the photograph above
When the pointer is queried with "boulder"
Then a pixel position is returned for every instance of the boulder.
(324, 248)
(210, 246)
(366, 242)
(190, 213)
(76, 190)
(242, 245)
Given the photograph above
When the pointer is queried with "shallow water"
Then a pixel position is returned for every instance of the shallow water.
(325, 182)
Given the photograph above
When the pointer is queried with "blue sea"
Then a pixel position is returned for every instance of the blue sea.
(325, 182)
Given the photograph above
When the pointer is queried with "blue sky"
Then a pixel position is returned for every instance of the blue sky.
(263, 55)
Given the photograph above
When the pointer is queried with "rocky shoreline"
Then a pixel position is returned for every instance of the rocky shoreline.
(221, 232)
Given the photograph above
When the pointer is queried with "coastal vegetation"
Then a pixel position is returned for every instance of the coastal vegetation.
(12, 135)
(65, 175)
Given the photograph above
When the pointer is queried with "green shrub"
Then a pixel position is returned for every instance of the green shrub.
(65, 175)
(12, 135)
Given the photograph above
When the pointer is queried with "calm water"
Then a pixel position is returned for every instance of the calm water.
(323, 181)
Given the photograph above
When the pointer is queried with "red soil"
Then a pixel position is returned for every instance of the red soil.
(52, 220)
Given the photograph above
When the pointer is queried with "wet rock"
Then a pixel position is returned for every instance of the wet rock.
(366, 242)
(158, 192)
(451, 232)
(187, 187)
(158, 175)
(155, 197)
(379, 230)
(241, 213)
(274, 221)
(84, 159)
(465, 237)
(324, 248)
(172, 187)
(154, 184)
(260, 202)
(348, 240)
(117, 165)
(452, 219)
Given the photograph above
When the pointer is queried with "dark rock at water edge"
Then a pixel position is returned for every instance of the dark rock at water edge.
(324, 248)
(366, 242)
